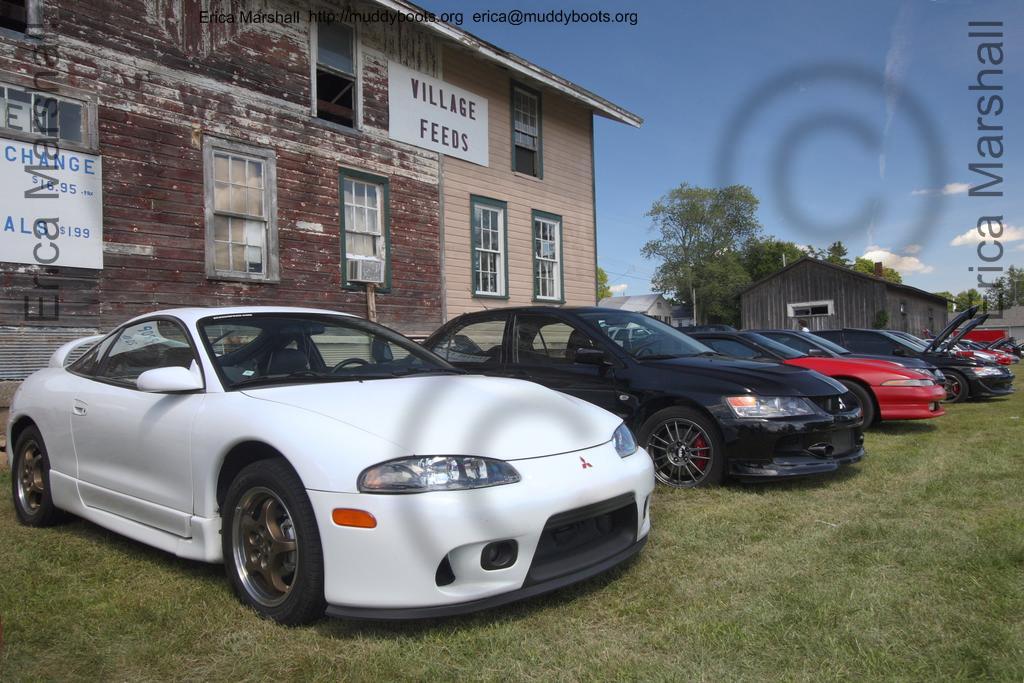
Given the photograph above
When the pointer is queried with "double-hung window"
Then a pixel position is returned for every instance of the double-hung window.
(490, 246)
(364, 225)
(547, 257)
(526, 142)
(335, 84)
(241, 228)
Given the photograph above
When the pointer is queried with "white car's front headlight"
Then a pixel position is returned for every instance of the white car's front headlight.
(625, 444)
(417, 474)
(769, 406)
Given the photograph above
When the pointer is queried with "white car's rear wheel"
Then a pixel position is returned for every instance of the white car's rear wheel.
(30, 482)
(272, 549)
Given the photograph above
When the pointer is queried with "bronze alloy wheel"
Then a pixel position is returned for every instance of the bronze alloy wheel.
(31, 478)
(681, 451)
(264, 544)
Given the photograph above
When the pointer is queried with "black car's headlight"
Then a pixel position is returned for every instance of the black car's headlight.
(769, 406)
(986, 371)
(625, 444)
(417, 474)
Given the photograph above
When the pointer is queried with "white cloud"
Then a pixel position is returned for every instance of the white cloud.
(903, 264)
(618, 290)
(912, 249)
(1011, 233)
(948, 188)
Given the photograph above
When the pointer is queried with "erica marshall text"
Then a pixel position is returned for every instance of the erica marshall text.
(250, 16)
(988, 168)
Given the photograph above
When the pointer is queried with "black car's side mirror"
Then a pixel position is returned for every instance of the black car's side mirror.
(817, 353)
(591, 357)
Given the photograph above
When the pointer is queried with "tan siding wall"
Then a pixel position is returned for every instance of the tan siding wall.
(566, 190)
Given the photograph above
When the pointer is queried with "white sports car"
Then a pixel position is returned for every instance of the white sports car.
(330, 463)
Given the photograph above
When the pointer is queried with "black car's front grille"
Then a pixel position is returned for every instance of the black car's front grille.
(579, 538)
(834, 405)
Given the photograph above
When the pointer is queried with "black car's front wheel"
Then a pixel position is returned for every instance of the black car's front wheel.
(956, 387)
(271, 543)
(685, 446)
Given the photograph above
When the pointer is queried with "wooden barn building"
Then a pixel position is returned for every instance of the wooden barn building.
(829, 296)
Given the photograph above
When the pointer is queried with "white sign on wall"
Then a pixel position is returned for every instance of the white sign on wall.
(51, 209)
(430, 113)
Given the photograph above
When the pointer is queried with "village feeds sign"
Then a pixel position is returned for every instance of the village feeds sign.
(430, 113)
(51, 206)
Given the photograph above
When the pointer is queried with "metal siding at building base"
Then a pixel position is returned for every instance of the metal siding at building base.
(23, 350)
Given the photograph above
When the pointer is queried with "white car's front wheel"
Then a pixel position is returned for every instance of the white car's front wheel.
(272, 549)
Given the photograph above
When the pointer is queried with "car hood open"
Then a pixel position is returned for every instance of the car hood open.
(958, 320)
(506, 419)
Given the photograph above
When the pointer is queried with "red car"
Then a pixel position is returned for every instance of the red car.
(886, 391)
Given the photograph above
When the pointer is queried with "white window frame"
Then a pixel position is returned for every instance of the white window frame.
(90, 136)
(271, 266)
(357, 64)
(481, 204)
(791, 308)
(556, 263)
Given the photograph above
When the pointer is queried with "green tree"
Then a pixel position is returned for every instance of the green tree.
(949, 299)
(722, 280)
(763, 257)
(603, 291)
(836, 253)
(1007, 290)
(696, 227)
(867, 266)
(967, 298)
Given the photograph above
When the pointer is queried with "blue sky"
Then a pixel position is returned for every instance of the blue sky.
(850, 120)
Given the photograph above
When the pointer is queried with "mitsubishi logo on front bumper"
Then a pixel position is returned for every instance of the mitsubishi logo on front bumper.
(583, 463)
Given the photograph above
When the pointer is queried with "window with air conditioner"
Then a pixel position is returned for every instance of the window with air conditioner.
(335, 81)
(364, 228)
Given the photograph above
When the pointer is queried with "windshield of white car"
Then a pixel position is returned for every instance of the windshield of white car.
(643, 337)
(256, 349)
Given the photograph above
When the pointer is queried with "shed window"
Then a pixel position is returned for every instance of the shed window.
(808, 309)
(526, 147)
(335, 82)
(241, 229)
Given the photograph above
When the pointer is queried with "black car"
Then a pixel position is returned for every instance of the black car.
(965, 377)
(812, 345)
(701, 416)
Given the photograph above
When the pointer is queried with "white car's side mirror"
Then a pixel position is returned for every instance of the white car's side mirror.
(170, 380)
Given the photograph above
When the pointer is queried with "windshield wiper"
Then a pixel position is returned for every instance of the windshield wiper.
(662, 356)
(425, 371)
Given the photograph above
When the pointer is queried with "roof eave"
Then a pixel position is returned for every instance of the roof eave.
(523, 67)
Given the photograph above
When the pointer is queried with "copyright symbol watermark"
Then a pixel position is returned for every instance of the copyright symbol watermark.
(799, 135)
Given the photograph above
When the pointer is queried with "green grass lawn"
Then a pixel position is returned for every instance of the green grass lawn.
(909, 565)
